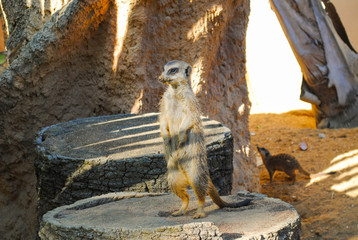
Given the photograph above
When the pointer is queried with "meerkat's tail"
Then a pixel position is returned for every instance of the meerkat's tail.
(323, 174)
(213, 193)
(304, 172)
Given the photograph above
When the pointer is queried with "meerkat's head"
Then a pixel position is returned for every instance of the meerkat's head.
(175, 73)
(263, 152)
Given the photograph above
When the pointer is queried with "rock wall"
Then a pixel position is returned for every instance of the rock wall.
(103, 57)
(25, 18)
(46, 84)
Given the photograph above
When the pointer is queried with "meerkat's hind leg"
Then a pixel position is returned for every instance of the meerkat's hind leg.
(200, 191)
(178, 183)
(293, 179)
(200, 213)
(184, 196)
(292, 175)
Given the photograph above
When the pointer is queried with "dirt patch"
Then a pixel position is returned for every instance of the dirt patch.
(328, 206)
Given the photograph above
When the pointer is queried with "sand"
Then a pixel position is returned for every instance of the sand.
(328, 205)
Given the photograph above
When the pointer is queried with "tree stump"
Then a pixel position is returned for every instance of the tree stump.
(93, 156)
(148, 216)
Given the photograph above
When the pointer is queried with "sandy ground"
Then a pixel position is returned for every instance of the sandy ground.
(327, 205)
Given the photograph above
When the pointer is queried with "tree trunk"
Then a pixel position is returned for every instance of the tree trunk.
(328, 61)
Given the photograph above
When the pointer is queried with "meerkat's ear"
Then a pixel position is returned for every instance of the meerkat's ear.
(188, 71)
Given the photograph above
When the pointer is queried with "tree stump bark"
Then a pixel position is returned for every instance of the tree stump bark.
(148, 216)
(93, 156)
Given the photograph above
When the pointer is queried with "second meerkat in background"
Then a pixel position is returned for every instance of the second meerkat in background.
(286, 163)
(184, 144)
(281, 162)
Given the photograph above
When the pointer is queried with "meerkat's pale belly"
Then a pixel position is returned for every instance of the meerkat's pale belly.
(175, 118)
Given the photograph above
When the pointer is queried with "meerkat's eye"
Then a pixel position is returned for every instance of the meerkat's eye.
(173, 70)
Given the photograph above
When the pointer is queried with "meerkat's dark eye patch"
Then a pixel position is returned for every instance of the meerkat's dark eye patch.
(173, 70)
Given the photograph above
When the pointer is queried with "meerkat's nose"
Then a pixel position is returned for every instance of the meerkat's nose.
(163, 79)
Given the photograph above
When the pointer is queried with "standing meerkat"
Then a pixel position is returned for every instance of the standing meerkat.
(184, 144)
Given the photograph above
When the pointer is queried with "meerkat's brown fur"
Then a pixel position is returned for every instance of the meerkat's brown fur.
(281, 162)
(184, 145)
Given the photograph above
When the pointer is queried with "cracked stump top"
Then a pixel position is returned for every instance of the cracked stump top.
(113, 137)
(130, 215)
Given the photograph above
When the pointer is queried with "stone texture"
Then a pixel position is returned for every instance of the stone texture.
(93, 156)
(42, 87)
(103, 57)
(147, 216)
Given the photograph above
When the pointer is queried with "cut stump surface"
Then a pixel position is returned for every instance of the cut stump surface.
(130, 215)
